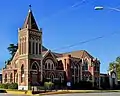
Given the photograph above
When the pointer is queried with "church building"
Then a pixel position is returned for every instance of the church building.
(34, 63)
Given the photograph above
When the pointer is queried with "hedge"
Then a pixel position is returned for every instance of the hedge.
(9, 86)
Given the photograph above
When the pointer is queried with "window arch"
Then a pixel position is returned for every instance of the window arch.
(22, 73)
(35, 66)
(49, 64)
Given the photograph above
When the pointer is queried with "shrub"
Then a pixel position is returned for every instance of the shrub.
(4, 86)
(1, 86)
(13, 86)
(48, 85)
(41, 88)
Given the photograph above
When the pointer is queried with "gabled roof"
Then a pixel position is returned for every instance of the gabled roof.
(57, 55)
(44, 48)
(80, 54)
(30, 21)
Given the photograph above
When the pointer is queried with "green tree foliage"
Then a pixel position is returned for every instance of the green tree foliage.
(13, 86)
(117, 63)
(12, 49)
(48, 85)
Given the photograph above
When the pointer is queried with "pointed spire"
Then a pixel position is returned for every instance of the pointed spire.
(30, 21)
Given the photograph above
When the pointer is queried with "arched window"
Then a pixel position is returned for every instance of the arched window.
(30, 47)
(48, 66)
(85, 66)
(25, 46)
(5, 80)
(33, 48)
(22, 73)
(35, 66)
(52, 77)
(60, 78)
(11, 78)
(22, 47)
(52, 66)
(36, 48)
(39, 48)
(45, 65)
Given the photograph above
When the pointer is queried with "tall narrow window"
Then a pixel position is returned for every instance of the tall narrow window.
(45, 65)
(20, 47)
(33, 48)
(22, 73)
(11, 78)
(39, 48)
(30, 47)
(25, 46)
(16, 77)
(48, 66)
(5, 80)
(36, 48)
(85, 66)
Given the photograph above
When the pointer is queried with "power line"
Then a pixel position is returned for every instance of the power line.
(75, 5)
(86, 41)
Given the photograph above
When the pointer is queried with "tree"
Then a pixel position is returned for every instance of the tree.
(12, 49)
(117, 63)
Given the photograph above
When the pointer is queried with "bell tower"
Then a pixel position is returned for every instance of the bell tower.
(30, 49)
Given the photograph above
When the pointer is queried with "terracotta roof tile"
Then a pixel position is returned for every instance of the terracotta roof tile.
(80, 54)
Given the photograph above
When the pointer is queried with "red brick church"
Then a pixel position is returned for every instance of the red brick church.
(33, 63)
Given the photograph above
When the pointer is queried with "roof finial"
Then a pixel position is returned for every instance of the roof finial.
(30, 8)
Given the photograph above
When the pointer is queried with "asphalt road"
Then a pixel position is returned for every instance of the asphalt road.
(75, 94)
(89, 94)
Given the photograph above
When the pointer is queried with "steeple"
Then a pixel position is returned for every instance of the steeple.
(30, 21)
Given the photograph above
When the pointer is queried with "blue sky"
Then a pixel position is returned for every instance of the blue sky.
(65, 25)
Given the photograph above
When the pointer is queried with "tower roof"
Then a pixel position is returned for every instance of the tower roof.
(30, 21)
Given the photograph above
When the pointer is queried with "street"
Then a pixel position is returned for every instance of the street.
(89, 94)
(73, 94)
